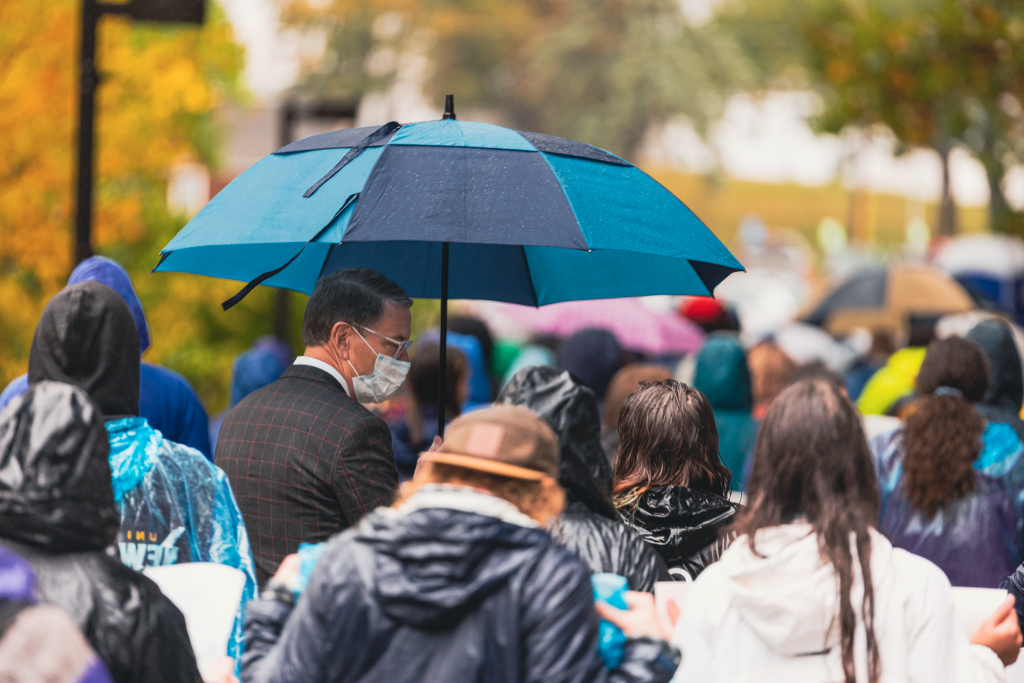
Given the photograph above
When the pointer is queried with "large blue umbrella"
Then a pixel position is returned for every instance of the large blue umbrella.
(453, 209)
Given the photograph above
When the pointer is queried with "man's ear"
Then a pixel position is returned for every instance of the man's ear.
(341, 337)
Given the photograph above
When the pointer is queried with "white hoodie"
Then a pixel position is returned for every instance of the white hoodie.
(752, 618)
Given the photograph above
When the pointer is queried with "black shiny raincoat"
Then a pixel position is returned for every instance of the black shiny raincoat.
(1005, 394)
(685, 526)
(57, 511)
(590, 526)
(439, 595)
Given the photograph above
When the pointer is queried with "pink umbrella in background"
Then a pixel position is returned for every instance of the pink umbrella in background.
(637, 327)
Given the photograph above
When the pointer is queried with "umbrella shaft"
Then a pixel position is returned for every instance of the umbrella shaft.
(443, 370)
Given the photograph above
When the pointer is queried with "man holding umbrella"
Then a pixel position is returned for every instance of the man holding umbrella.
(305, 459)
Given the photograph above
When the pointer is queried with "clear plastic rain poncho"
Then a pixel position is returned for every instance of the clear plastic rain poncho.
(164, 491)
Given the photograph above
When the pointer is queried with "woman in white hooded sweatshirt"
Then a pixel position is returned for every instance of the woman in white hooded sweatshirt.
(791, 605)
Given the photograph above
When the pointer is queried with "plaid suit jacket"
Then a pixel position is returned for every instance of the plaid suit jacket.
(305, 462)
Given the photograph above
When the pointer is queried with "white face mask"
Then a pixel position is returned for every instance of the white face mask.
(387, 378)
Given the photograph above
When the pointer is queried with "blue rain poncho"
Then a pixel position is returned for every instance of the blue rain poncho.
(164, 491)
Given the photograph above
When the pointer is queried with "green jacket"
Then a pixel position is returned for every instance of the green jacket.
(891, 383)
(723, 376)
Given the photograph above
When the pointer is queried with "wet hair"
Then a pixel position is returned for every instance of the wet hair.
(667, 435)
(351, 295)
(943, 434)
(770, 371)
(424, 379)
(625, 382)
(817, 370)
(813, 462)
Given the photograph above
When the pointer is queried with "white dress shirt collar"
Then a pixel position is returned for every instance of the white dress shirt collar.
(329, 369)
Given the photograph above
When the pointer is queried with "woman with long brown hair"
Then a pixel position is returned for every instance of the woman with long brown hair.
(670, 483)
(951, 481)
(809, 591)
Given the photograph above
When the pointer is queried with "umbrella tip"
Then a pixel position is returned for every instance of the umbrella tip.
(449, 107)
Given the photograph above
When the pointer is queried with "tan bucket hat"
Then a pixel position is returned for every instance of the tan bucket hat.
(505, 440)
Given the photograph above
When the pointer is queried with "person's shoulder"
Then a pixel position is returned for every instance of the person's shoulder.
(614, 532)
(123, 589)
(913, 574)
(713, 578)
(709, 592)
(287, 393)
(188, 465)
(918, 571)
(369, 419)
(17, 387)
(167, 379)
(554, 561)
(297, 387)
(186, 455)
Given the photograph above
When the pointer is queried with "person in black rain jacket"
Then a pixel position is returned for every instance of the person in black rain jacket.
(670, 482)
(589, 526)
(458, 582)
(57, 511)
(1005, 394)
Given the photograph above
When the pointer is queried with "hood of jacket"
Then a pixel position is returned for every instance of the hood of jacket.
(258, 367)
(786, 592)
(1005, 377)
(444, 551)
(570, 409)
(594, 356)
(722, 374)
(86, 337)
(55, 490)
(110, 273)
(680, 520)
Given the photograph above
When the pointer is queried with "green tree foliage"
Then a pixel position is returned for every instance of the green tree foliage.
(937, 73)
(600, 71)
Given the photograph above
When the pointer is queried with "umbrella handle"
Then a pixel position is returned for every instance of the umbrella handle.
(443, 370)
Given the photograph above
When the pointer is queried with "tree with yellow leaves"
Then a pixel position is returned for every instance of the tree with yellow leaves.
(159, 88)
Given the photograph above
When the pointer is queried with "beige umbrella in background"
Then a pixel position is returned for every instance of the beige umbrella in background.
(888, 298)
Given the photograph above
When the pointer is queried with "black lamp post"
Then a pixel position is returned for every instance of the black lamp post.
(166, 11)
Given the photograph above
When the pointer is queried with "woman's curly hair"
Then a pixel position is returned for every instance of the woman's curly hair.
(943, 434)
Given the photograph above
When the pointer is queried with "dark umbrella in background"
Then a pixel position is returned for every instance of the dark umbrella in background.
(889, 297)
(452, 209)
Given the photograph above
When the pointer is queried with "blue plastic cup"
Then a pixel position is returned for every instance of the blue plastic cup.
(610, 589)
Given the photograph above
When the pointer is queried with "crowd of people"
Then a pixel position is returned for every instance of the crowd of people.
(820, 541)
